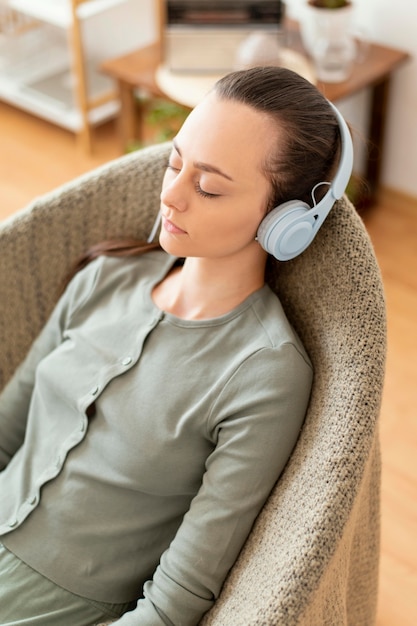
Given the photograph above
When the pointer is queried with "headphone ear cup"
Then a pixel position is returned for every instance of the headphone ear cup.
(287, 230)
(290, 228)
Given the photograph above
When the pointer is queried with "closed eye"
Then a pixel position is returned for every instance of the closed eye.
(199, 190)
(172, 168)
(205, 194)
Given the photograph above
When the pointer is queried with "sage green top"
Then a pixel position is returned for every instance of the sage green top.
(137, 448)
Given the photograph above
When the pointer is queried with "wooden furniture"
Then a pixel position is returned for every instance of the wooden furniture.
(138, 71)
(86, 103)
(51, 76)
(375, 73)
(133, 71)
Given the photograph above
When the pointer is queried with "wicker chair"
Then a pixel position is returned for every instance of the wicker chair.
(312, 556)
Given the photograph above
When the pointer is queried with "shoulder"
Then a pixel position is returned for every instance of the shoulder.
(107, 270)
(271, 367)
(111, 267)
(271, 386)
(272, 331)
(107, 276)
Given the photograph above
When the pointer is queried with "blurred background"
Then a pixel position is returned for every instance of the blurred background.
(84, 81)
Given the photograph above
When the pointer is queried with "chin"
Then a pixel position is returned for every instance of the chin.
(171, 246)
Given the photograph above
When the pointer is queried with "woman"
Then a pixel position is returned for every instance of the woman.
(153, 415)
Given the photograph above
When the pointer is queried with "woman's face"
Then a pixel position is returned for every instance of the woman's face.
(214, 192)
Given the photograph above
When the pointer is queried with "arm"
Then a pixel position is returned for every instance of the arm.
(15, 398)
(256, 421)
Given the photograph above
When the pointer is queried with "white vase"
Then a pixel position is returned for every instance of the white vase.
(259, 48)
(327, 37)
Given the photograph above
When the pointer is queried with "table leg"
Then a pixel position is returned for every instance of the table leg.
(378, 113)
(128, 120)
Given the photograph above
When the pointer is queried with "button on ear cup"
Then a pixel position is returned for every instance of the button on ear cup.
(287, 230)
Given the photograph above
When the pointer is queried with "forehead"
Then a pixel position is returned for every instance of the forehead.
(228, 134)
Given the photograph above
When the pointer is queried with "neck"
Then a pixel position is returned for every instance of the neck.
(204, 288)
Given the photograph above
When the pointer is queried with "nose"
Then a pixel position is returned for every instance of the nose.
(173, 194)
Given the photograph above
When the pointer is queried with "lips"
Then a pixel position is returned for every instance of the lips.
(172, 228)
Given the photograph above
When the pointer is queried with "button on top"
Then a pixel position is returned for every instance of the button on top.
(127, 360)
(95, 391)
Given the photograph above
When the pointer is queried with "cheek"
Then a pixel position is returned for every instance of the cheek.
(234, 229)
(245, 219)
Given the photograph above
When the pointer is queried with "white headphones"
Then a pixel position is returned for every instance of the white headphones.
(290, 228)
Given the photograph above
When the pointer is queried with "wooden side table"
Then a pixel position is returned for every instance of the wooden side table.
(132, 71)
(139, 68)
(375, 72)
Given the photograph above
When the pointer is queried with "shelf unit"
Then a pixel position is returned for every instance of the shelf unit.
(44, 68)
(60, 12)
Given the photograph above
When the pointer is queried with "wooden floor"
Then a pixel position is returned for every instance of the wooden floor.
(393, 229)
(36, 157)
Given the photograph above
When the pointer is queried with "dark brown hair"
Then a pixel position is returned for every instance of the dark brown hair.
(304, 118)
(306, 157)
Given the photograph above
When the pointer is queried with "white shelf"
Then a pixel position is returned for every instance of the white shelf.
(32, 55)
(35, 75)
(57, 111)
(54, 76)
(58, 12)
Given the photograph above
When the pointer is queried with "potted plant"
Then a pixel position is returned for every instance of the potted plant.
(327, 36)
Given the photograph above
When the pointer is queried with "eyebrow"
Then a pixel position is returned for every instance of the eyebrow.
(205, 167)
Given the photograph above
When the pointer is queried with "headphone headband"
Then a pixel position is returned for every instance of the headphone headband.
(344, 171)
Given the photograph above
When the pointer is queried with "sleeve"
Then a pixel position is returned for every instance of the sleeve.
(256, 421)
(16, 396)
